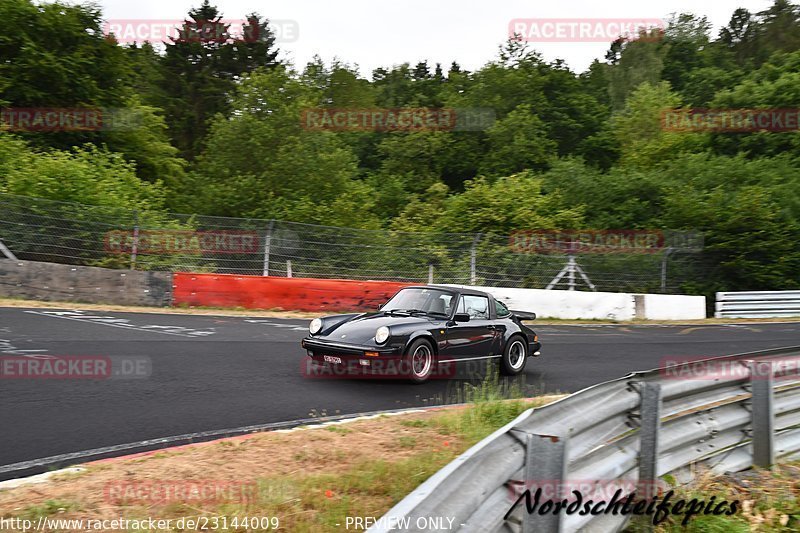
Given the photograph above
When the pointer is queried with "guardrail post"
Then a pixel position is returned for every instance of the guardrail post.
(762, 413)
(546, 462)
(650, 410)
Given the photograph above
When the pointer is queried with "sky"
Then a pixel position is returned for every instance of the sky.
(373, 33)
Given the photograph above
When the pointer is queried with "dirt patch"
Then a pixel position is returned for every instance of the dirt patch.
(310, 478)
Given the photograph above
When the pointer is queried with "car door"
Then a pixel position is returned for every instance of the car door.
(475, 338)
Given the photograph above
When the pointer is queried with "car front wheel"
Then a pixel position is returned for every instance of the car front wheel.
(514, 357)
(419, 361)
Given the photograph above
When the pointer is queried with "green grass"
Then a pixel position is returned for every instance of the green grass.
(768, 502)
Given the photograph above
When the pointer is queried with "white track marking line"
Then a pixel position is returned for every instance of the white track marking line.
(105, 323)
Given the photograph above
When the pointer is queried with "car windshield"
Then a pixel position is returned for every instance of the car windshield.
(419, 300)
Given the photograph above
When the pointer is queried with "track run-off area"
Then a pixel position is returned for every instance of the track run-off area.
(201, 373)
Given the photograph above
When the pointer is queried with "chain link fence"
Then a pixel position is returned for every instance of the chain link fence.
(37, 229)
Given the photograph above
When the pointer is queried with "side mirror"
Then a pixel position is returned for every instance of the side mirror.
(461, 317)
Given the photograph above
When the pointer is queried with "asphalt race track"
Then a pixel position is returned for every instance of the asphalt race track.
(216, 372)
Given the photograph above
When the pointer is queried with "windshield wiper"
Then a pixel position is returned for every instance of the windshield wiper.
(413, 312)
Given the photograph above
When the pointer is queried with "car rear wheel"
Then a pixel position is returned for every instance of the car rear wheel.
(419, 361)
(514, 357)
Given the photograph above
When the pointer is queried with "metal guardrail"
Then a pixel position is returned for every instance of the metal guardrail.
(758, 304)
(626, 431)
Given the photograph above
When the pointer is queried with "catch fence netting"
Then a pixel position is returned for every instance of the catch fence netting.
(37, 229)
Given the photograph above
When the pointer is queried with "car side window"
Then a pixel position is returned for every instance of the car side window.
(476, 306)
(501, 310)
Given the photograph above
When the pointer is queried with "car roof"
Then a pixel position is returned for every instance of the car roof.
(456, 289)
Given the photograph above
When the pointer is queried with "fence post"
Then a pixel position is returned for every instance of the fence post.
(288, 268)
(762, 413)
(135, 244)
(545, 461)
(473, 254)
(7, 252)
(430, 274)
(650, 411)
(267, 244)
(664, 269)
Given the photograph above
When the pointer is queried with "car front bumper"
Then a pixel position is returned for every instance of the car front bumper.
(351, 358)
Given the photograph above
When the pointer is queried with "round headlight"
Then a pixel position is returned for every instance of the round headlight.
(382, 334)
(315, 326)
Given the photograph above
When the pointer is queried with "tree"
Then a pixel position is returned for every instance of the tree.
(301, 175)
(517, 142)
(776, 85)
(643, 139)
(686, 40)
(201, 68)
(640, 61)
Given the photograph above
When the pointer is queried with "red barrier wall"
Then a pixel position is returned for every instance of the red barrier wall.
(269, 292)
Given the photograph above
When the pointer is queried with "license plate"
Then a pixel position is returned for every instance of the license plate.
(332, 359)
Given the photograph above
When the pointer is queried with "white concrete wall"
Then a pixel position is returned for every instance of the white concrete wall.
(598, 305)
(674, 307)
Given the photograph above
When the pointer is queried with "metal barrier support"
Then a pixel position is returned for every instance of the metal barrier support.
(545, 460)
(763, 414)
(648, 439)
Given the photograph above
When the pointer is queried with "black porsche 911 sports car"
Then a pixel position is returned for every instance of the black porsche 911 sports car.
(422, 330)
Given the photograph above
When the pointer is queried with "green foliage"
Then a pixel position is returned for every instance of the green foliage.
(218, 130)
(638, 128)
(517, 142)
(85, 174)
